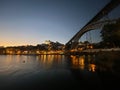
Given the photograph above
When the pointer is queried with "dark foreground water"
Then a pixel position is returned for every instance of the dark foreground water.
(56, 72)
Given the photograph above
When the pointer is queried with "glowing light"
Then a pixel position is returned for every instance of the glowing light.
(92, 67)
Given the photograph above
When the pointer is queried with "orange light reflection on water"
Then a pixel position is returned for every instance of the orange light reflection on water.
(92, 67)
(48, 61)
(78, 62)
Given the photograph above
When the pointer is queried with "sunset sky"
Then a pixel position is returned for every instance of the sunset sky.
(31, 22)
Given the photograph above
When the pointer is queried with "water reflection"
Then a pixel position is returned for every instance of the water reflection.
(16, 64)
(28, 63)
(48, 71)
(78, 62)
(83, 62)
(92, 67)
(50, 61)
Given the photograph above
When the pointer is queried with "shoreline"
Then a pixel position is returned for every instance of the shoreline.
(70, 53)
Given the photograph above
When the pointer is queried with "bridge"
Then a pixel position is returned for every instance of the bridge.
(95, 23)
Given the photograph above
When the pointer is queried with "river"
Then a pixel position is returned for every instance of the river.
(56, 72)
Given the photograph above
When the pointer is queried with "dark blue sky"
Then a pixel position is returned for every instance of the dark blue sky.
(32, 22)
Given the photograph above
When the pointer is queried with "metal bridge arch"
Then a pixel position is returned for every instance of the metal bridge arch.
(93, 24)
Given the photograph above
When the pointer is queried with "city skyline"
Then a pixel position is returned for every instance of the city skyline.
(31, 22)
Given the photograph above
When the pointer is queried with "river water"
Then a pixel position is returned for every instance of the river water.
(56, 72)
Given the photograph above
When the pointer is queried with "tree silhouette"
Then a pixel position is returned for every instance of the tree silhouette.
(110, 34)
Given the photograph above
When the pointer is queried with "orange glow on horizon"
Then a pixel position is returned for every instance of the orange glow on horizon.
(12, 45)
(18, 41)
